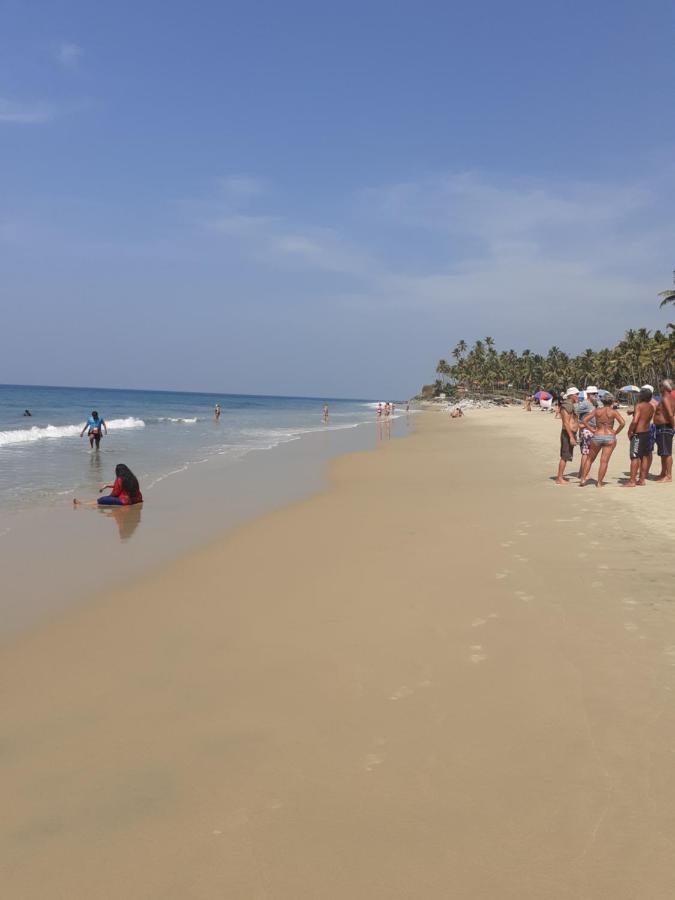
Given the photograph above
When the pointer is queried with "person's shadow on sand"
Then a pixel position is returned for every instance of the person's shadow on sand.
(127, 518)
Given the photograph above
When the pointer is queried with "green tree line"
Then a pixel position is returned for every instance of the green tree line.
(640, 357)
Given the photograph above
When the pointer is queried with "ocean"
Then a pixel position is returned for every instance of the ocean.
(158, 434)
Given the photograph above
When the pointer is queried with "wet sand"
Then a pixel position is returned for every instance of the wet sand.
(442, 677)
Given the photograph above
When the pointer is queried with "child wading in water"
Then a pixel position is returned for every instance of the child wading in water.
(125, 490)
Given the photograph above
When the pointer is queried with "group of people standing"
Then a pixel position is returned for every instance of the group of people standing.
(594, 423)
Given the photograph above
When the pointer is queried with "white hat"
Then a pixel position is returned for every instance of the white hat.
(647, 387)
(571, 391)
(591, 389)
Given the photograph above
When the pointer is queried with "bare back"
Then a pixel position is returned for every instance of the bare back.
(644, 413)
(605, 417)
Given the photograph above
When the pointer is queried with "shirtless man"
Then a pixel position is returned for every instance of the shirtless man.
(640, 439)
(664, 421)
(568, 434)
(325, 412)
(216, 411)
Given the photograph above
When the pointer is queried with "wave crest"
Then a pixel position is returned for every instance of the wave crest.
(52, 432)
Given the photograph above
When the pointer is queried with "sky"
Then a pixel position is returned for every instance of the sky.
(321, 199)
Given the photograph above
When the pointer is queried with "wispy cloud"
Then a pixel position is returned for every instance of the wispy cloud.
(241, 187)
(16, 113)
(69, 54)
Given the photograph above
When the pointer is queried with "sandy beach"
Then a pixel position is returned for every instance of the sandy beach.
(443, 676)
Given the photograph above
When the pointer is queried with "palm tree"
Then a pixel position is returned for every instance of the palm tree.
(666, 298)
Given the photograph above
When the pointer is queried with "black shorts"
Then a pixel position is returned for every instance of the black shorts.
(641, 444)
(566, 447)
(664, 440)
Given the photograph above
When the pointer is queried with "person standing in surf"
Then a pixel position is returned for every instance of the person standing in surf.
(96, 425)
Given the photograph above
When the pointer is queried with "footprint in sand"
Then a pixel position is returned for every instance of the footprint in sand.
(522, 533)
(477, 656)
(581, 534)
(500, 575)
(506, 543)
(523, 595)
(520, 558)
(372, 761)
(603, 567)
(630, 626)
(596, 584)
(402, 692)
(582, 555)
(628, 601)
(478, 622)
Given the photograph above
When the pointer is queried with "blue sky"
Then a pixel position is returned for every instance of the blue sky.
(315, 198)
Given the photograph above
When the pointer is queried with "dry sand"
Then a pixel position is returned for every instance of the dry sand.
(444, 677)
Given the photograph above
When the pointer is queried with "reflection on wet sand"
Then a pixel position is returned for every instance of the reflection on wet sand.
(127, 518)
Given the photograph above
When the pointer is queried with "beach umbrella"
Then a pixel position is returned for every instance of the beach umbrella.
(542, 395)
(629, 389)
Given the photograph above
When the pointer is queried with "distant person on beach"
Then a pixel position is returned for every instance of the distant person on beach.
(664, 423)
(457, 413)
(568, 433)
(584, 407)
(325, 412)
(528, 404)
(216, 411)
(379, 410)
(124, 491)
(640, 435)
(27, 412)
(387, 408)
(95, 424)
(407, 407)
(600, 422)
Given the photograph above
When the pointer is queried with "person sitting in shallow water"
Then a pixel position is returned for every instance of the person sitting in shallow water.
(27, 412)
(125, 490)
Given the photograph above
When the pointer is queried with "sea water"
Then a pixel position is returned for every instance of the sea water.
(158, 434)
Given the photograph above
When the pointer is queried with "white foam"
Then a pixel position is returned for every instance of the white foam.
(51, 432)
(177, 421)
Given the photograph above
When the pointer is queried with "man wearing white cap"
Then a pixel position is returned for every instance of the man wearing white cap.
(586, 406)
(568, 435)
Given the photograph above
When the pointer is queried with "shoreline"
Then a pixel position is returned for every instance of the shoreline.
(180, 514)
(441, 673)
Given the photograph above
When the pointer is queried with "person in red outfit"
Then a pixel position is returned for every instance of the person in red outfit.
(125, 490)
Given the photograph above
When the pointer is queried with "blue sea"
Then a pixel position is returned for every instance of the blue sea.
(158, 434)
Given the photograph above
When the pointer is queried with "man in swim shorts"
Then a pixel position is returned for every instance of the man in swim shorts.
(568, 434)
(585, 407)
(664, 425)
(640, 435)
(95, 424)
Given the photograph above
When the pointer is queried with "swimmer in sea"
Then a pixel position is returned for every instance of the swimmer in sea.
(325, 412)
(216, 411)
(95, 425)
(124, 491)
(27, 412)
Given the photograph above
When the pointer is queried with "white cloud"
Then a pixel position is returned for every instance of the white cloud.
(69, 54)
(241, 187)
(15, 113)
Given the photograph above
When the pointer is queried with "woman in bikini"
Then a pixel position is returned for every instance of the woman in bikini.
(604, 435)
